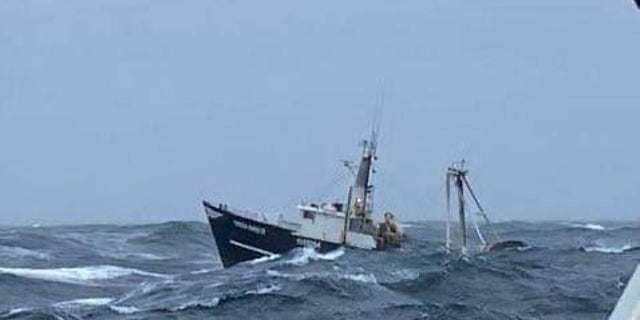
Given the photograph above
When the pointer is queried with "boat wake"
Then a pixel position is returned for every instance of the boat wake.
(265, 259)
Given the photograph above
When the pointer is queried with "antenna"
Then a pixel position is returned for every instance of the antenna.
(377, 118)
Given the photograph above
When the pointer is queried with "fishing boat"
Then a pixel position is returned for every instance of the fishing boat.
(241, 235)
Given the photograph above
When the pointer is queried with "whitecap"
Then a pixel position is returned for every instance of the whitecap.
(150, 256)
(265, 259)
(265, 290)
(622, 249)
(85, 302)
(79, 275)
(406, 274)
(16, 311)
(589, 226)
(305, 255)
(365, 278)
(359, 277)
(278, 274)
(202, 271)
(331, 255)
(129, 255)
(124, 309)
(197, 304)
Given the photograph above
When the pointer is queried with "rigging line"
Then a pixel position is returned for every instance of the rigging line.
(475, 199)
(481, 213)
(477, 229)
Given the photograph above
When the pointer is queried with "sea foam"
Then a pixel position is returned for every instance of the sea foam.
(304, 255)
(265, 290)
(622, 249)
(265, 259)
(197, 304)
(589, 226)
(124, 309)
(79, 275)
(359, 277)
(84, 302)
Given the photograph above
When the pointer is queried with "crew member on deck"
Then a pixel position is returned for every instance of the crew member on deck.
(389, 231)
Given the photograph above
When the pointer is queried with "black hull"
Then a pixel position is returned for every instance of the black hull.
(240, 238)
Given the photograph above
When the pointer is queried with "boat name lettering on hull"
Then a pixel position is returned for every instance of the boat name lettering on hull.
(250, 228)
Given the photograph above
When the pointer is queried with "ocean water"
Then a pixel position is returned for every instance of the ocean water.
(171, 271)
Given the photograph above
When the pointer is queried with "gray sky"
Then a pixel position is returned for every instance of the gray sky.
(135, 110)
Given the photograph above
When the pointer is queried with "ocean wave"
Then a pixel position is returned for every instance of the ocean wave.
(265, 290)
(197, 305)
(169, 233)
(364, 278)
(202, 271)
(84, 302)
(79, 275)
(16, 311)
(135, 255)
(19, 252)
(359, 277)
(124, 309)
(588, 226)
(265, 259)
(305, 255)
(602, 249)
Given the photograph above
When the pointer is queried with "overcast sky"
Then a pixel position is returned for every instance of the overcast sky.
(134, 111)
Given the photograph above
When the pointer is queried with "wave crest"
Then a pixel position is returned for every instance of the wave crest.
(602, 249)
(79, 275)
(588, 226)
(305, 255)
(359, 277)
(19, 253)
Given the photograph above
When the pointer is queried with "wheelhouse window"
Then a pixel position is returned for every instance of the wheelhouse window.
(309, 215)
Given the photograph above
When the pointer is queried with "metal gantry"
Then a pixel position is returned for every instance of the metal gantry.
(457, 179)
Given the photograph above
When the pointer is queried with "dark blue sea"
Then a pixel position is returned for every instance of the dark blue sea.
(171, 271)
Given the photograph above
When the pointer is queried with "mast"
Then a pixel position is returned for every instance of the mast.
(461, 215)
(457, 175)
(448, 217)
(361, 191)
